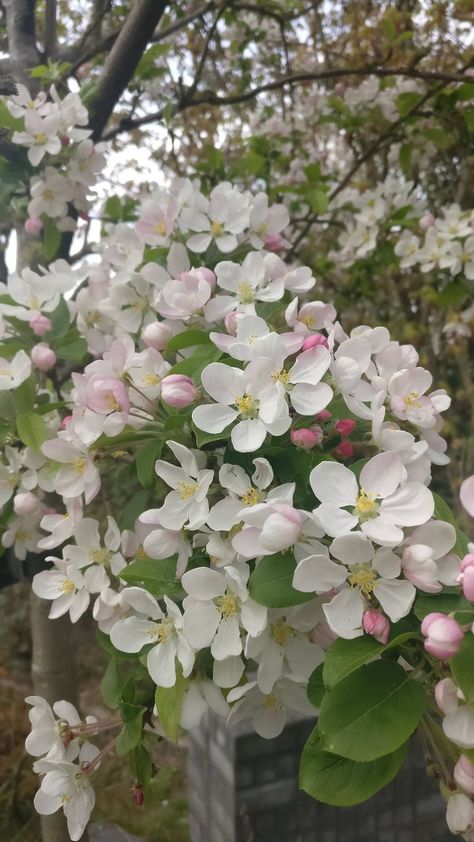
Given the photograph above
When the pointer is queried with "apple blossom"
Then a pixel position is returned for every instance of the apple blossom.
(307, 438)
(43, 357)
(40, 324)
(178, 390)
(377, 625)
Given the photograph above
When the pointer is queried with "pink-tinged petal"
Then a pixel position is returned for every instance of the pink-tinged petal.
(335, 521)
(352, 549)
(466, 495)
(249, 435)
(318, 574)
(344, 613)
(227, 640)
(334, 484)
(382, 474)
(202, 583)
(438, 535)
(309, 400)
(247, 543)
(383, 531)
(213, 418)
(411, 505)
(311, 365)
(396, 596)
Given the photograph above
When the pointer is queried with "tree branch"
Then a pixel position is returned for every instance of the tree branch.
(21, 31)
(123, 60)
(50, 14)
(210, 98)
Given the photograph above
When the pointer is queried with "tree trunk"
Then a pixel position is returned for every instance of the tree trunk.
(53, 668)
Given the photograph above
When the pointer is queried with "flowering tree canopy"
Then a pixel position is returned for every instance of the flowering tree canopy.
(281, 546)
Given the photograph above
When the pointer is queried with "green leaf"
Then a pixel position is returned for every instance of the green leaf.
(169, 702)
(445, 603)
(341, 782)
(346, 656)
(443, 512)
(371, 712)
(141, 767)
(24, 397)
(318, 201)
(74, 349)
(188, 338)
(31, 429)
(156, 576)
(203, 438)
(131, 733)
(106, 644)
(194, 364)
(135, 506)
(271, 582)
(407, 102)
(316, 689)
(462, 666)
(468, 114)
(145, 461)
(60, 321)
(51, 239)
(111, 685)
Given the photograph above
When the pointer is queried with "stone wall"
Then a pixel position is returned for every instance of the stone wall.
(243, 788)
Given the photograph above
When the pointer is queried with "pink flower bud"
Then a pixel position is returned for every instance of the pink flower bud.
(138, 795)
(307, 438)
(313, 341)
(178, 390)
(105, 395)
(274, 242)
(65, 140)
(324, 415)
(377, 625)
(33, 226)
(231, 321)
(40, 325)
(443, 635)
(344, 450)
(84, 215)
(66, 420)
(427, 221)
(209, 275)
(25, 503)
(345, 426)
(466, 577)
(464, 774)
(43, 357)
(446, 695)
(157, 335)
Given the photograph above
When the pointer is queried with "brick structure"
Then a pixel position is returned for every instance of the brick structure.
(243, 788)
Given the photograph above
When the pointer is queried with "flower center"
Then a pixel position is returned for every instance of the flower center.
(100, 556)
(41, 138)
(282, 376)
(363, 578)
(160, 229)
(281, 632)
(187, 489)
(412, 399)
(366, 506)
(252, 497)
(247, 405)
(79, 465)
(161, 632)
(227, 605)
(151, 379)
(216, 229)
(246, 293)
(271, 702)
(308, 320)
(68, 586)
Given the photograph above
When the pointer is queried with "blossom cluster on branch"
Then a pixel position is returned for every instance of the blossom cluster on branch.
(282, 550)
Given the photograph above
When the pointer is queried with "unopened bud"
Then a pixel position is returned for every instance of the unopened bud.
(274, 242)
(137, 795)
(43, 357)
(443, 635)
(344, 450)
(466, 576)
(25, 503)
(427, 221)
(157, 335)
(464, 774)
(178, 390)
(345, 426)
(307, 438)
(40, 325)
(314, 341)
(324, 415)
(33, 226)
(377, 625)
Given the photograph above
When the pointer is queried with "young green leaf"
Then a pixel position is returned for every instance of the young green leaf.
(271, 582)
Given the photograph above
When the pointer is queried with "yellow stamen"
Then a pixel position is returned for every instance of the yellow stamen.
(366, 506)
(252, 497)
(246, 405)
(362, 578)
(412, 399)
(68, 586)
(79, 465)
(227, 605)
(246, 293)
(160, 229)
(281, 632)
(187, 489)
(282, 376)
(216, 229)
(162, 631)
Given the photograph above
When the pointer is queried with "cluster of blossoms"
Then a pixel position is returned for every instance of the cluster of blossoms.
(286, 465)
(56, 139)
